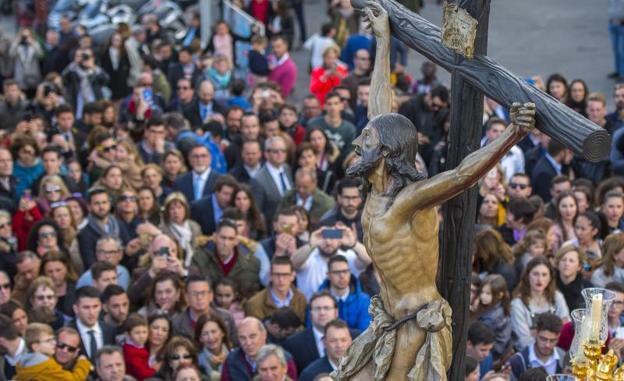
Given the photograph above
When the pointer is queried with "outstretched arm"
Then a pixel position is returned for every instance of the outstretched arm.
(380, 101)
(446, 185)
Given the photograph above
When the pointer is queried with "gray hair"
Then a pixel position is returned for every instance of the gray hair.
(271, 140)
(105, 238)
(271, 350)
(306, 172)
(107, 350)
(4, 213)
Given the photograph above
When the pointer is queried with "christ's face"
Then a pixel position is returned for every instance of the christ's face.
(368, 152)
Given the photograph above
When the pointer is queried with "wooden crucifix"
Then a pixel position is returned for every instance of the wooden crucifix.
(400, 229)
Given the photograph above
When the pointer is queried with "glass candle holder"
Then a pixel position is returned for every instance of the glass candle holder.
(561, 377)
(589, 294)
(580, 317)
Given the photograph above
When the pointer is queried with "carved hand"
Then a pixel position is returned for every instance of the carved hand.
(523, 116)
(376, 18)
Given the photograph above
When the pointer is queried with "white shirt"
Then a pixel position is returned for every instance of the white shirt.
(314, 270)
(550, 366)
(252, 171)
(275, 174)
(202, 182)
(21, 349)
(318, 339)
(307, 204)
(86, 338)
(317, 44)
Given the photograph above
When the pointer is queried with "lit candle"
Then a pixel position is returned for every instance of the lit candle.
(596, 312)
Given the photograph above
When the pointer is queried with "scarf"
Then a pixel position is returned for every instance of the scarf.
(220, 80)
(183, 234)
(112, 226)
(86, 91)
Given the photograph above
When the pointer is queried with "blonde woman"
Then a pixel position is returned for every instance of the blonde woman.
(52, 189)
(62, 215)
(127, 157)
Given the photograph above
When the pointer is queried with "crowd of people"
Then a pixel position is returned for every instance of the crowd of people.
(168, 211)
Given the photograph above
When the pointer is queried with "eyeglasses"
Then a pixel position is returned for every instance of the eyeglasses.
(127, 198)
(45, 297)
(323, 309)
(107, 253)
(49, 341)
(110, 148)
(5, 225)
(5, 286)
(67, 347)
(47, 235)
(276, 150)
(53, 190)
(179, 357)
(516, 185)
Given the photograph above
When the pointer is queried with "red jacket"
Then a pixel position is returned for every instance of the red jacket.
(137, 360)
(320, 87)
(23, 222)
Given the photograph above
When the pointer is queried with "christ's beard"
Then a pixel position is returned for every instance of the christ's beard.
(367, 162)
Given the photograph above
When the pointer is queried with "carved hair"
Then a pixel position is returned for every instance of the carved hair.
(398, 140)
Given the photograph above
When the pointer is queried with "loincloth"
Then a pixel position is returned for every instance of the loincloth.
(376, 344)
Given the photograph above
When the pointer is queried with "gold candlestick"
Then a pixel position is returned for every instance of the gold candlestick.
(606, 366)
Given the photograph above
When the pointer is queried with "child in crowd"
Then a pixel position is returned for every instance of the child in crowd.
(532, 245)
(136, 354)
(258, 62)
(39, 363)
(494, 309)
(237, 89)
(227, 297)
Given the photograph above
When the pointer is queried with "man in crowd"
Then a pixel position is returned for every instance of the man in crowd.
(153, 145)
(548, 166)
(94, 334)
(336, 340)
(340, 132)
(240, 364)
(12, 345)
(280, 293)
(116, 306)
(208, 210)
(204, 107)
(101, 223)
(67, 347)
(271, 363)
(306, 194)
(544, 352)
(110, 364)
(519, 186)
(283, 67)
(104, 274)
(348, 207)
(479, 345)
(251, 154)
(108, 248)
(352, 301)
(201, 180)
(284, 240)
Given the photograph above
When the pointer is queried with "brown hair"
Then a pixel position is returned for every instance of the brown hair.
(569, 248)
(490, 248)
(613, 244)
(531, 237)
(206, 318)
(500, 293)
(523, 290)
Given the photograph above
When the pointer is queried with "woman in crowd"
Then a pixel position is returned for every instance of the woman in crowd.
(62, 216)
(566, 210)
(166, 296)
(127, 211)
(532, 245)
(16, 312)
(160, 331)
(306, 158)
(177, 223)
(211, 336)
(557, 86)
(113, 181)
(27, 165)
(56, 266)
(327, 153)
(41, 302)
(172, 167)
(127, 158)
(178, 351)
(493, 256)
(8, 247)
(612, 208)
(324, 78)
(115, 63)
(79, 211)
(612, 265)
(587, 227)
(570, 280)
(152, 178)
(488, 211)
(577, 100)
(52, 189)
(245, 202)
(45, 237)
(536, 293)
(149, 209)
(78, 177)
(583, 195)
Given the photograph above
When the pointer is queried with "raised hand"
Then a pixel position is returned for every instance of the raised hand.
(376, 18)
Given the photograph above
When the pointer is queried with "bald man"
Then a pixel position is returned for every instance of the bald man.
(240, 365)
(204, 107)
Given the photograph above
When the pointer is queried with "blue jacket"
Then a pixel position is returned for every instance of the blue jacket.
(354, 310)
(26, 176)
(218, 159)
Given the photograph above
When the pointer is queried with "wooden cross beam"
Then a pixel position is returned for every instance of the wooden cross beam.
(553, 118)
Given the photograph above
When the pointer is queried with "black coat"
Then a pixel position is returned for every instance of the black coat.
(191, 112)
(108, 337)
(543, 173)
(176, 72)
(303, 348)
(202, 212)
(87, 239)
(118, 77)
(316, 367)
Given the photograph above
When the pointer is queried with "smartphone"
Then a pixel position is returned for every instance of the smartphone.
(148, 96)
(27, 195)
(332, 233)
(163, 252)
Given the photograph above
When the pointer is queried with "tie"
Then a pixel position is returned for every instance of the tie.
(284, 183)
(92, 344)
(203, 110)
(197, 187)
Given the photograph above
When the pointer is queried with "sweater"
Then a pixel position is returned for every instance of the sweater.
(137, 361)
(286, 76)
(37, 366)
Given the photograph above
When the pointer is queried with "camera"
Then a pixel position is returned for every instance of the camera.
(163, 252)
(85, 56)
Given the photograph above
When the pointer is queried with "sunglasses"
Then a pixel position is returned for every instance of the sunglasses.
(45, 297)
(5, 286)
(127, 198)
(516, 185)
(179, 357)
(53, 190)
(67, 347)
(109, 148)
(5, 225)
(47, 235)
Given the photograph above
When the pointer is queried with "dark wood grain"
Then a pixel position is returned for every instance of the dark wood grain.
(553, 118)
(459, 213)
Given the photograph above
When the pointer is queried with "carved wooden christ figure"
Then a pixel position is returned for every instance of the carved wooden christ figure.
(410, 336)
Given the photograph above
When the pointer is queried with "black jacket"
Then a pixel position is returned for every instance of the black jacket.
(87, 239)
(316, 367)
(191, 112)
(202, 212)
(108, 337)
